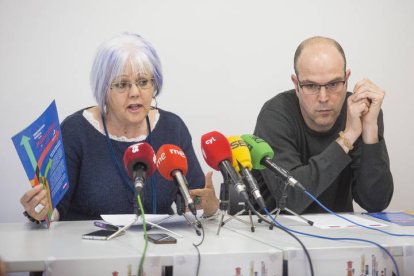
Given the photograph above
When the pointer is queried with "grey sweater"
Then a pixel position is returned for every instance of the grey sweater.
(319, 163)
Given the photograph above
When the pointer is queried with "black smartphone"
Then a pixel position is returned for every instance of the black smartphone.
(100, 235)
(161, 238)
(106, 225)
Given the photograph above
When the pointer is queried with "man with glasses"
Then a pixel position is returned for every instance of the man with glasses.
(329, 139)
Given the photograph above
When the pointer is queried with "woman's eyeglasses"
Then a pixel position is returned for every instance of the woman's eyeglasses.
(124, 86)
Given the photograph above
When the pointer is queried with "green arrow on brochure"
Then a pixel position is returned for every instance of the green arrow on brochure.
(49, 164)
(25, 142)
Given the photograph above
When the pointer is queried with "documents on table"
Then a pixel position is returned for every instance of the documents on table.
(329, 221)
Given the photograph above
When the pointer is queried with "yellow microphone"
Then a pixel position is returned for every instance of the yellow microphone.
(242, 163)
(240, 153)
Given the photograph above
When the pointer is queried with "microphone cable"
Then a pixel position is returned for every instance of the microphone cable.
(274, 223)
(197, 245)
(353, 222)
(127, 183)
(144, 226)
(346, 239)
(336, 239)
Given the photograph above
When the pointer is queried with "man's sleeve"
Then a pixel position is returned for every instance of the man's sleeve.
(372, 179)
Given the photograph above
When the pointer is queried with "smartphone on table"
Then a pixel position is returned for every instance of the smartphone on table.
(161, 238)
(105, 225)
(100, 235)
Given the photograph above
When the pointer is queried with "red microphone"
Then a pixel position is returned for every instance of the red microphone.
(172, 165)
(171, 158)
(215, 148)
(217, 153)
(139, 161)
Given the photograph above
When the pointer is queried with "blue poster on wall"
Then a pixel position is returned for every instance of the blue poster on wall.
(41, 152)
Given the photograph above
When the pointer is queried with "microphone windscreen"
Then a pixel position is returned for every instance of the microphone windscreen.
(215, 149)
(259, 149)
(139, 153)
(170, 158)
(240, 152)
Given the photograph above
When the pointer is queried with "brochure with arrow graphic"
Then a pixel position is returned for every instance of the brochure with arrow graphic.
(41, 152)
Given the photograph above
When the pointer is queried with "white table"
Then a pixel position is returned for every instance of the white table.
(333, 257)
(60, 250)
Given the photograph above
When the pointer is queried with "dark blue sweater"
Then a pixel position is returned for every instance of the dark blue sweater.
(96, 186)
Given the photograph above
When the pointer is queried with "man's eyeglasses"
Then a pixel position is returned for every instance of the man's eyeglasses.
(314, 88)
(124, 86)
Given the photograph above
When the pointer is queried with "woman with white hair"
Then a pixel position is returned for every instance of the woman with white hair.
(126, 78)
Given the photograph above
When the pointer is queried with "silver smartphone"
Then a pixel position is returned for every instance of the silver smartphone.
(100, 235)
(161, 238)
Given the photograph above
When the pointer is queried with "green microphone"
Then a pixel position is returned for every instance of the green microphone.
(259, 149)
(262, 154)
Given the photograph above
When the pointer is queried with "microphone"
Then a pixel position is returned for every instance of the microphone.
(243, 165)
(139, 162)
(172, 165)
(217, 154)
(262, 154)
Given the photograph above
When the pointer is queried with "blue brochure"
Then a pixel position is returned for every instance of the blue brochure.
(403, 218)
(41, 152)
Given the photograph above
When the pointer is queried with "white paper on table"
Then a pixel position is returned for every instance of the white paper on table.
(124, 219)
(329, 221)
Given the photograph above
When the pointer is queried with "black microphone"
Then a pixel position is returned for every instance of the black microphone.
(139, 161)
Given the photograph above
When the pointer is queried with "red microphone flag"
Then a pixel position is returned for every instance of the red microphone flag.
(215, 148)
(170, 158)
(139, 153)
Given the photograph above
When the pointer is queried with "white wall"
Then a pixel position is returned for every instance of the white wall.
(222, 60)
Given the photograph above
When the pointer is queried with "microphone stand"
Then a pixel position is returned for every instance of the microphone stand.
(249, 212)
(224, 201)
(126, 227)
(180, 203)
(163, 228)
(224, 205)
(137, 213)
(282, 207)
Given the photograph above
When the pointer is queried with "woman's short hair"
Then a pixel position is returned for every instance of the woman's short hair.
(111, 58)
